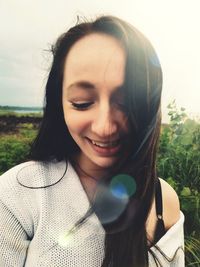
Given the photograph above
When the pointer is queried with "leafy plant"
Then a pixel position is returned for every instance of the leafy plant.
(192, 246)
(179, 163)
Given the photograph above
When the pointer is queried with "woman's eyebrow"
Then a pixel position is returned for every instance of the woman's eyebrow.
(88, 86)
(82, 85)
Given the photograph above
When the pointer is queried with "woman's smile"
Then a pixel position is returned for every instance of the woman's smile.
(106, 148)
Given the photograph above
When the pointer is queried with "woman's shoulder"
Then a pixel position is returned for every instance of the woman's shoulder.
(32, 174)
(171, 204)
(9, 177)
(171, 244)
(171, 210)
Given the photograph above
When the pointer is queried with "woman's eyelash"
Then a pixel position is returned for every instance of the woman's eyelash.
(84, 106)
(81, 106)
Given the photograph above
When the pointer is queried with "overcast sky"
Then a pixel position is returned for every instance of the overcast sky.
(27, 28)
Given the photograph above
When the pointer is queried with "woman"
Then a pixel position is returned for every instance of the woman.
(91, 195)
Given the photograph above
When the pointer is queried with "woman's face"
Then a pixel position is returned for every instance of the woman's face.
(93, 102)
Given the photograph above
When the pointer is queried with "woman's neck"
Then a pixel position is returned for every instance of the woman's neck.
(88, 170)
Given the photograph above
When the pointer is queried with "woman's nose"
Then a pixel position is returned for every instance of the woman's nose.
(104, 124)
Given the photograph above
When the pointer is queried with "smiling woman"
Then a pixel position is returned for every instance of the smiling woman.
(91, 195)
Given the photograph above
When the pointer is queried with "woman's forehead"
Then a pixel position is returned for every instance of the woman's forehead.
(96, 58)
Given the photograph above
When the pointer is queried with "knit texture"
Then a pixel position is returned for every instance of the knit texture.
(35, 222)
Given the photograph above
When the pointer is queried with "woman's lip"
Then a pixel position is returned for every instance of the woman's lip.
(103, 142)
(104, 151)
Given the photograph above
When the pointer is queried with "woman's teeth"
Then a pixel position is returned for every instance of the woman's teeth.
(110, 144)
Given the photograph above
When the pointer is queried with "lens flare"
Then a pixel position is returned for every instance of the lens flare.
(123, 186)
(113, 199)
(119, 190)
(66, 239)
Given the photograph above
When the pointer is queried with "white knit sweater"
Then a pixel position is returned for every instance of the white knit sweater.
(34, 222)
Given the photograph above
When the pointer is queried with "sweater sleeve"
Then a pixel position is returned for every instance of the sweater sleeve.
(16, 229)
(13, 239)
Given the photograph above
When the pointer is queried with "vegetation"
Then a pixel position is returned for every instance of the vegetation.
(178, 162)
(16, 134)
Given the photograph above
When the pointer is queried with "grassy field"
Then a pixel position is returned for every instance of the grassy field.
(17, 130)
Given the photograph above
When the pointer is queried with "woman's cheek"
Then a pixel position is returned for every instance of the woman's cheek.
(77, 122)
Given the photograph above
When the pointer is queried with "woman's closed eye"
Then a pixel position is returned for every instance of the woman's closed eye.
(85, 105)
(81, 106)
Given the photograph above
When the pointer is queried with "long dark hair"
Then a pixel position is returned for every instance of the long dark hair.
(124, 246)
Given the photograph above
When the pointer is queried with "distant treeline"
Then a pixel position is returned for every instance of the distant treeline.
(11, 108)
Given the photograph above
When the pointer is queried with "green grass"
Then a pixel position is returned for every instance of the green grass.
(15, 146)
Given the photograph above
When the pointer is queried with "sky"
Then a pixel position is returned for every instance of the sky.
(28, 28)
